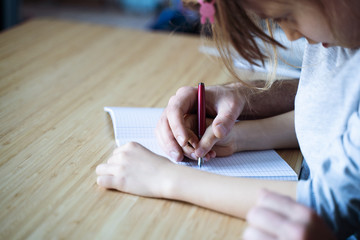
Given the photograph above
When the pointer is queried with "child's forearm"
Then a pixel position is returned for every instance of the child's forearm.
(134, 169)
(235, 196)
(269, 133)
(229, 195)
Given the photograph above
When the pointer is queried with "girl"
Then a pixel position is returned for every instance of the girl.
(325, 124)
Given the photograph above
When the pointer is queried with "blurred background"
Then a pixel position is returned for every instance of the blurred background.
(148, 15)
(161, 15)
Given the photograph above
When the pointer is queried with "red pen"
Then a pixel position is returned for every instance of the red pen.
(201, 115)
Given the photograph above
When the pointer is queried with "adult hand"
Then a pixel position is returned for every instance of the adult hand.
(279, 217)
(225, 146)
(224, 103)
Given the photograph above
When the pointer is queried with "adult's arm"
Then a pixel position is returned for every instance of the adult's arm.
(276, 100)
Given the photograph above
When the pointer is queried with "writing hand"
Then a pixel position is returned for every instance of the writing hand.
(225, 146)
(224, 103)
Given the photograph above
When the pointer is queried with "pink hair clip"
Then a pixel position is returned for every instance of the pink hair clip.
(207, 11)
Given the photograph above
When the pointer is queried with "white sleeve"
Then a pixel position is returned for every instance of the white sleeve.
(334, 191)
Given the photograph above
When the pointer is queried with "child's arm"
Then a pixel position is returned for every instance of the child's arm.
(229, 195)
(136, 170)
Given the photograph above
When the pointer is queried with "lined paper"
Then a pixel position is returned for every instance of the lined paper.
(138, 125)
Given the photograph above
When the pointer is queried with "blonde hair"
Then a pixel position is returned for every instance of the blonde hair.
(242, 37)
(238, 32)
(235, 28)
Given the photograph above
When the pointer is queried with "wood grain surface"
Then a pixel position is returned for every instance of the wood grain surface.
(55, 79)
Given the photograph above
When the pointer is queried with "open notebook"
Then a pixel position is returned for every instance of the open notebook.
(138, 125)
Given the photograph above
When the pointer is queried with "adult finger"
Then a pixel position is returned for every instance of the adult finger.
(193, 142)
(167, 140)
(182, 103)
(206, 143)
(227, 113)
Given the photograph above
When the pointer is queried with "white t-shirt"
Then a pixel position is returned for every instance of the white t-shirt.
(327, 123)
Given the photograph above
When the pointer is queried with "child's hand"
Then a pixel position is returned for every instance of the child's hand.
(224, 103)
(134, 169)
(279, 217)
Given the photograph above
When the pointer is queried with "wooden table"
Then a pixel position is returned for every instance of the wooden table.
(55, 79)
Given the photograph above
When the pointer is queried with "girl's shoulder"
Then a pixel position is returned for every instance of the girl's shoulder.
(347, 55)
(350, 68)
(319, 59)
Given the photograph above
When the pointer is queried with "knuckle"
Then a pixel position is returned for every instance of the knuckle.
(172, 101)
(123, 153)
(172, 109)
(120, 182)
(171, 144)
(177, 131)
(231, 116)
(184, 90)
(162, 120)
(119, 169)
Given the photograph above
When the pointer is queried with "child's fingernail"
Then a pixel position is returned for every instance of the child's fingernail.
(193, 156)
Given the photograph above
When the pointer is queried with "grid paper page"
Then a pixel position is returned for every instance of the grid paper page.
(138, 125)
